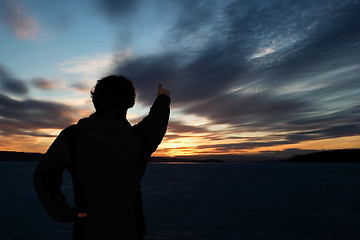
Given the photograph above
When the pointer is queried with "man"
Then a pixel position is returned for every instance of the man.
(106, 157)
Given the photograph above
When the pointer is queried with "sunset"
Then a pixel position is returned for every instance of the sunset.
(179, 119)
(246, 77)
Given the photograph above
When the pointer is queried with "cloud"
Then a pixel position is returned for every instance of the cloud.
(116, 9)
(79, 86)
(242, 146)
(18, 20)
(11, 84)
(180, 127)
(285, 70)
(90, 65)
(341, 130)
(27, 117)
(250, 110)
(24, 116)
(43, 83)
(87, 68)
(261, 66)
(224, 58)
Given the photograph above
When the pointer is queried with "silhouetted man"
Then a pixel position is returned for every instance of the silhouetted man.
(106, 157)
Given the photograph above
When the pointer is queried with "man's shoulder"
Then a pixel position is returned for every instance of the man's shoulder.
(70, 128)
(70, 131)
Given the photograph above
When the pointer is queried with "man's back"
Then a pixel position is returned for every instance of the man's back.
(110, 166)
(106, 157)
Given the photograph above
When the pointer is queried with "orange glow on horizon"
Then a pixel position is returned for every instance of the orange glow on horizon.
(326, 144)
(184, 146)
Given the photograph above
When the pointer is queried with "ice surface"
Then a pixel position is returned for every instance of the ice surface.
(211, 201)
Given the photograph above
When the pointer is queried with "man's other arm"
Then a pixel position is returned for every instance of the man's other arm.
(48, 180)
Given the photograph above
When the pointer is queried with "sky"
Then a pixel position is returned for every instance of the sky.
(246, 77)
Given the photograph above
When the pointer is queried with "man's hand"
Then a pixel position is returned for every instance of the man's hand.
(163, 91)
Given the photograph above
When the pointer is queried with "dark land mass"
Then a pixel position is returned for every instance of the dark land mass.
(19, 156)
(175, 159)
(229, 158)
(342, 156)
(339, 156)
(23, 156)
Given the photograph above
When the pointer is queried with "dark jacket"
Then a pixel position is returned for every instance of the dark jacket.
(106, 157)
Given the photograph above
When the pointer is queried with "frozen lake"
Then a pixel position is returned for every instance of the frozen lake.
(292, 201)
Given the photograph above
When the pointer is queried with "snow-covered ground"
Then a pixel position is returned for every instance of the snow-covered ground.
(290, 201)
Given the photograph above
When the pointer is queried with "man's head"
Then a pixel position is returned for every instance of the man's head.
(114, 92)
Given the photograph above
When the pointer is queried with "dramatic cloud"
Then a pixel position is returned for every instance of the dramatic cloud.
(26, 117)
(23, 116)
(244, 75)
(179, 127)
(18, 20)
(260, 66)
(10, 84)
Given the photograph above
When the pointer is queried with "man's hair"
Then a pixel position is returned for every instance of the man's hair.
(113, 91)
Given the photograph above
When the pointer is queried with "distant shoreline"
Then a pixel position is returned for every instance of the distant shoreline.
(340, 156)
(19, 156)
(34, 157)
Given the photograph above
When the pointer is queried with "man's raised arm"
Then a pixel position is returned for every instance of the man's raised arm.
(155, 123)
